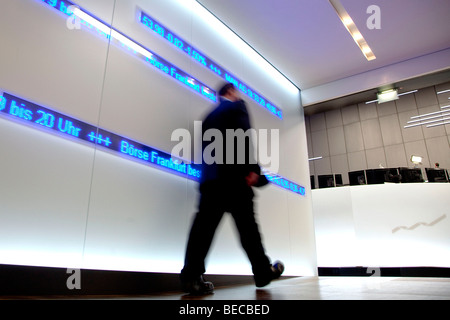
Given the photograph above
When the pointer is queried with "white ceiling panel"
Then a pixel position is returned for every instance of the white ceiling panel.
(307, 42)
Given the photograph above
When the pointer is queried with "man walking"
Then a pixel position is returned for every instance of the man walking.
(227, 187)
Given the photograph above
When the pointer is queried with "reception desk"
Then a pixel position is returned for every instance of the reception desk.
(384, 225)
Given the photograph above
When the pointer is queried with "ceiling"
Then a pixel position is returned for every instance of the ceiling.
(307, 42)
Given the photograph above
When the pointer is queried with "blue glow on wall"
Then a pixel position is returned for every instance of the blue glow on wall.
(285, 183)
(45, 118)
(202, 59)
(66, 126)
(29, 113)
(115, 36)
(66, 7)
(160, 63)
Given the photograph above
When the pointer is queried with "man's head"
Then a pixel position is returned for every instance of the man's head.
(229, 92)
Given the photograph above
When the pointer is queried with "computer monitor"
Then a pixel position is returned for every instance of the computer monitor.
(375, 176)
(379, 176)
(357, 178)
(313, 182)
(392, 175)
(326, 181)
(411, 175)
(338, 180)
(436, 175)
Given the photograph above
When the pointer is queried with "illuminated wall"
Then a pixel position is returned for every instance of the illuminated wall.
(68, 201)
(384, 225)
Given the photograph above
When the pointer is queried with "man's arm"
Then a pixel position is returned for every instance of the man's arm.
(242, 121)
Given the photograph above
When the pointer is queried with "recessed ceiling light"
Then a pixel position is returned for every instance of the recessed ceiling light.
(352, 29)
(357, 36)
(398, 95)
(387, 95)
(416, 159)
(347, 21)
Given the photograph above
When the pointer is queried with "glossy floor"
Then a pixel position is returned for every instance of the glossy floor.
(332, 288)
(305, 288)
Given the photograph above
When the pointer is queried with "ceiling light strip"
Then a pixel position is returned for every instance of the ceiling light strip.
(404, 93)
(428, 114)
(426, 122)
(201, 12)
(432, 117)
(438, 124)
(352, 29)
(372, 101)
(443, 91)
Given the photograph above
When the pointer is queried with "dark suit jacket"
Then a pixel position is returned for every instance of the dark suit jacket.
(228, 115)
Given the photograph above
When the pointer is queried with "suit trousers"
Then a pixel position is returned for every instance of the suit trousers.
(215, 200)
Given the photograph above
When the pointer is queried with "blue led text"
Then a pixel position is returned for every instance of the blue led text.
(131, 150)
(38, 116)
(20, 111)
(195, 54)
(117, 37)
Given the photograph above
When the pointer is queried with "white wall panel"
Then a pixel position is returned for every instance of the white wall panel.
(44, 196)
(396, 156)
(339, 165)
(367, 111)
(390, 130)
(406, 103)
(437, 153)
(318, 122)
(335, 231)
(336, 140)
(412, 133)
(91, 208)
(353, 137)
(390, 225)
(333, 118)
(320, 144)
(357, 161)
(139, 102)
(386, 108)
(371, 133)
(48, 63)
(350, 114)
(46, 179)
(375, 158)
(426, 97)
(138, 213)
(322, 166)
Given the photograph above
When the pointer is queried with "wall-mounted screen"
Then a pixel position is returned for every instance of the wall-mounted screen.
(45, 118)
(207, 62)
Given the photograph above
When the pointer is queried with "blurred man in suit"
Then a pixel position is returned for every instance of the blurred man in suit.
(227, 187)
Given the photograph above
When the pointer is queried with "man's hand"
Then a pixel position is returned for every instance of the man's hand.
(252, 178)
